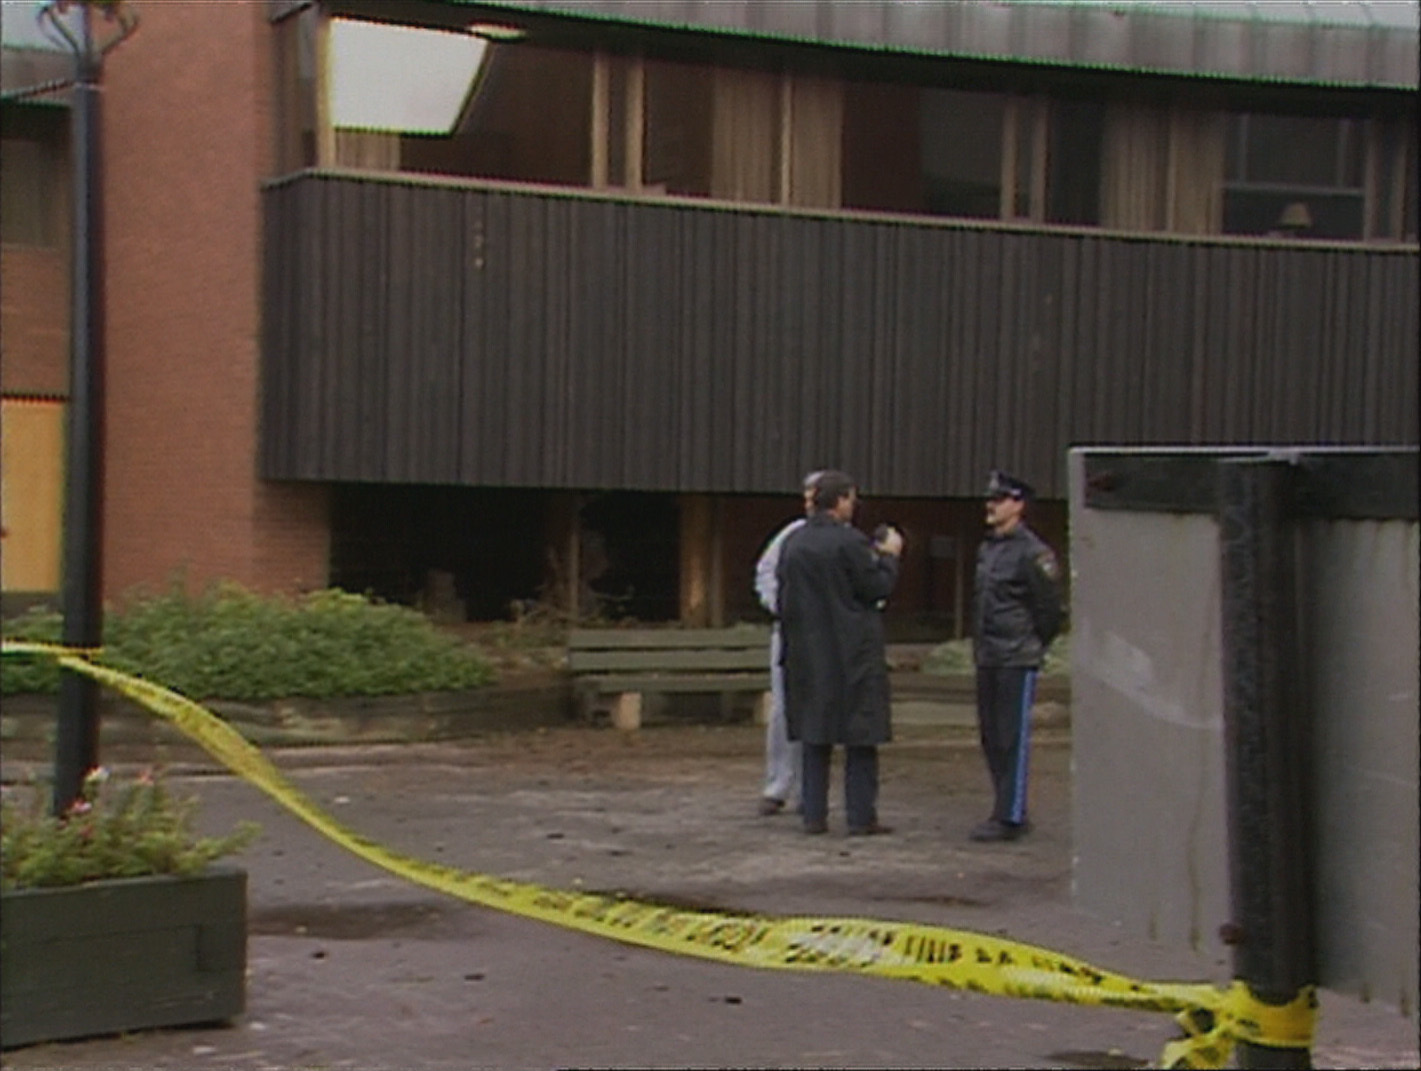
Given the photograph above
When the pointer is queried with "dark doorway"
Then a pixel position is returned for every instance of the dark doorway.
(631, 554)
(462, 552)
(470, 553)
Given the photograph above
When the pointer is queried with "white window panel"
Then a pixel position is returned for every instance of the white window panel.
(399, 79)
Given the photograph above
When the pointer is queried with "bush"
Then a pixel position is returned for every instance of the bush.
(21, 674)
(144, 830)
(230, 643)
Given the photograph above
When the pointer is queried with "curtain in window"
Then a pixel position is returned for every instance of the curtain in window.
(1163, 170)
(816, 123)
(1196, 173)
(1392, 186)
(370, 150)
(745, 135)
(678, 125)
(1133, 172)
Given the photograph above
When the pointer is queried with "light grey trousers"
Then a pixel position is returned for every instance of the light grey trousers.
(783, 756)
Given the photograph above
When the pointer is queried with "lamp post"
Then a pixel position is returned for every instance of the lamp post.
(99, 27)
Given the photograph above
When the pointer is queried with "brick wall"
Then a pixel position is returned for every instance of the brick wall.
(187, 142)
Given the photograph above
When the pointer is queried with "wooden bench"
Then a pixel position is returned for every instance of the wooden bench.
(620, 666)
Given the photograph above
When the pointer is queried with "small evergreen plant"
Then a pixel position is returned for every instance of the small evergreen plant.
(131, 831)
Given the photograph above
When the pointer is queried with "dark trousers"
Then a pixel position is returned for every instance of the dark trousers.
(1004, 698)
(860, 785)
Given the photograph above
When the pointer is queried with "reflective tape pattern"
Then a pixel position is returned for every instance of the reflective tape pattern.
(1213, 1020)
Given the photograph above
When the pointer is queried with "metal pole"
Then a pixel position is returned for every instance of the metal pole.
(77, 736)
(1268, 744)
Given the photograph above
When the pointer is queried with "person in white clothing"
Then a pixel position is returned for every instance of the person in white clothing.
(782, 755)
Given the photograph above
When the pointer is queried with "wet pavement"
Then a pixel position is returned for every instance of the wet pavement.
(351, 967)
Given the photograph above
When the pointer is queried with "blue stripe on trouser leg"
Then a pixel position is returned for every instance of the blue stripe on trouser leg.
(1017, 811)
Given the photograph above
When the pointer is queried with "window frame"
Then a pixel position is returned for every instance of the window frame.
(1349, 128)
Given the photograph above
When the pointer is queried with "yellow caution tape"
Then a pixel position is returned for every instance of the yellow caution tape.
(1213, 1020)
(1210, 1034)
(56, 651)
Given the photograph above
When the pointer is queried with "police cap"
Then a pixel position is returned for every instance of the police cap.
(1000, 485)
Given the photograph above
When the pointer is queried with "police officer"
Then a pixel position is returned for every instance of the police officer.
(1016, 613)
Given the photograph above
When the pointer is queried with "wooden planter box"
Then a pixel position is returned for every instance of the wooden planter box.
(114, 956)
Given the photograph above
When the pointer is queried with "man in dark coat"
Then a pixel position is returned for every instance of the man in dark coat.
(832, 584)
(1016, 613)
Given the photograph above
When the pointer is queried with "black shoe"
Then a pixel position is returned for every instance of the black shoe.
(816, 827)
(994, 830)
(769, 805)
(874, 830)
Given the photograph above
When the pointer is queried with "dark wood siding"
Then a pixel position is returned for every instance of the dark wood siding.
(425, 333)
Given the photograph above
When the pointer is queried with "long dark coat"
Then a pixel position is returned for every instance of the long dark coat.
(831, 585)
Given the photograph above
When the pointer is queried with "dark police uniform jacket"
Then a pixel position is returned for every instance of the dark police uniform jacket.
(831, 585)
(1016, 600)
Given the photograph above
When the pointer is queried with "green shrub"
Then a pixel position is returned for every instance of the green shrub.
(142, 829)
(20, 674)
(955, 656)
(230, 643)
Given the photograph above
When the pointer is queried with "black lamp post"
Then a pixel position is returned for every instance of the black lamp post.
(101, 25)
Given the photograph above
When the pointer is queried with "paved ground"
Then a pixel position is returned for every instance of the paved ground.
(352, 968)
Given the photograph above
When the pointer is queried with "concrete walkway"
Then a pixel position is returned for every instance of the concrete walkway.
(352, 967)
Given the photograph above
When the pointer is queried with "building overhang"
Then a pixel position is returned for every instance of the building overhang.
(1360, 44)
(36, 76)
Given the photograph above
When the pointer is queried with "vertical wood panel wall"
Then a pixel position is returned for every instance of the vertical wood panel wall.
(486, 336)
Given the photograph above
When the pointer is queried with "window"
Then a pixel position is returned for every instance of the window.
(1394, 207)
(512, 127)
(1294, 176)
(295, 90)
(741, 134)
(28, 176)
(961, 138)
(1410, 180)
(881, 167)
(1073, 162)
(33, 181)
(1051, 162)
(400, 79)
(680, 119)
(932, 151)
(973, 154)
(1025, 144)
